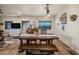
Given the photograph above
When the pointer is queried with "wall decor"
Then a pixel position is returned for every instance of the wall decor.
(73, 17)
(63, 18)
(63, 27)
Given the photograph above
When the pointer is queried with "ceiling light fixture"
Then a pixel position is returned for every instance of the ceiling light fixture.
(47, 11)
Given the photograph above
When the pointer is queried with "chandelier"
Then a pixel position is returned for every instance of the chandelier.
(47, 11)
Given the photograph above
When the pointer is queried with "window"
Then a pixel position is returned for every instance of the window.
(25, 24)
(45, 24)
(8, 24)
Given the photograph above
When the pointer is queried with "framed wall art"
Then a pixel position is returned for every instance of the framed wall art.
(63, 18)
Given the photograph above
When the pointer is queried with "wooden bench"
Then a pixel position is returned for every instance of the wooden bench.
(39, 47)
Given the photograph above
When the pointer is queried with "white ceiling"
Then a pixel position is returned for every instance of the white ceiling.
(30, 9)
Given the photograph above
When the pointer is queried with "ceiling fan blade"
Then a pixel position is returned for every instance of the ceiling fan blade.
(1, 11)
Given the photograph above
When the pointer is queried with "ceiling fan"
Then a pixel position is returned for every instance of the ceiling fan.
(47, 9)
(1, 12)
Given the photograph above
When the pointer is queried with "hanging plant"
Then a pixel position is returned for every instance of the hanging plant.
(73, 17)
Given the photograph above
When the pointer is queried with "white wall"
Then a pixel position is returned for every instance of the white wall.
(31, 19)
(70, 35)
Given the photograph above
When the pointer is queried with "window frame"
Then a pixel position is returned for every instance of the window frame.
(6, 24)
(44, 27)
(24, 22)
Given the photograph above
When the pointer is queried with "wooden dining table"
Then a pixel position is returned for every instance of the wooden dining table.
(45, 47)
(30, 37)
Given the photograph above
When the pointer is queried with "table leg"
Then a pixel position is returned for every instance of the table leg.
(49, 42)
(21, 42)
(27, 41)
(26, 51)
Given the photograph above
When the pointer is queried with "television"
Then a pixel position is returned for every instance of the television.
(15, 25)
